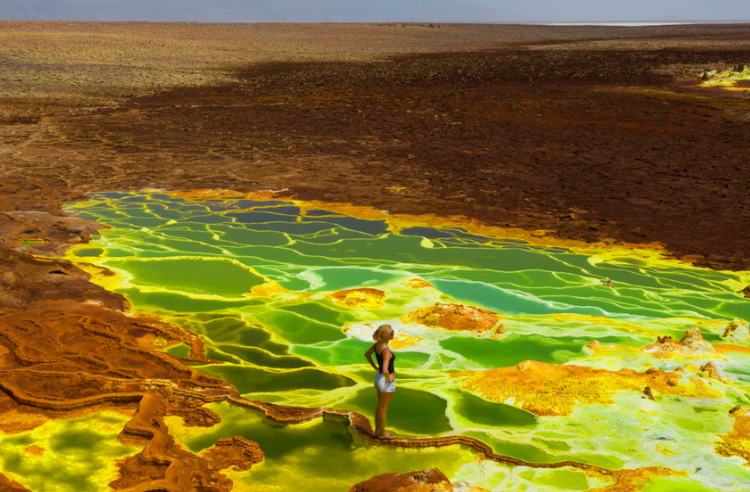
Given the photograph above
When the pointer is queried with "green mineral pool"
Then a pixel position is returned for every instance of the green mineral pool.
(254, 278)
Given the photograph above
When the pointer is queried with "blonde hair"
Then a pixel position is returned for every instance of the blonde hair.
(378, 334)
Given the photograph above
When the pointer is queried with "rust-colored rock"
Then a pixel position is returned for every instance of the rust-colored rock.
(731, 327)
(417, 481)
(397, 482)
(35, 450)
(454, 317)
(45, 232)
(8, 485)
(64, 355)
(708, 370)
(25, 279)
(165, 464)
(66, 348)
(236, 452)
(737, 331)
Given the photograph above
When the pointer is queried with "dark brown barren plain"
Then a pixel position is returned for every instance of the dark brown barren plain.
(588, 133)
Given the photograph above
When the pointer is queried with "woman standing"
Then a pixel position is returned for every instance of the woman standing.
(385, 379)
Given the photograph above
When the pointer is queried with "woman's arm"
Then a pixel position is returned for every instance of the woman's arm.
(368, 356)
(386, 364)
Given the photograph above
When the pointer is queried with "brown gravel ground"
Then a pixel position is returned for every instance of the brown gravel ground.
(589, 132)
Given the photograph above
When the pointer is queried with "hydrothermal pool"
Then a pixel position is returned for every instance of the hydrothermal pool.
(285, 296)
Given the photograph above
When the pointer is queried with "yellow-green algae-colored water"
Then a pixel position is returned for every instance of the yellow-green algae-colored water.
(66, 455)
(253, 278)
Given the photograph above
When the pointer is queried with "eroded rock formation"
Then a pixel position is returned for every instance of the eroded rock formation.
(163, 464)
(25, 279)
(67, 348)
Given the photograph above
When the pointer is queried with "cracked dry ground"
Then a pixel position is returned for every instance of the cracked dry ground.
(589, 144)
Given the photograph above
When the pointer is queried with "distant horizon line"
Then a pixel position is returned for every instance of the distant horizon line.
(512, 23)
(636, 23)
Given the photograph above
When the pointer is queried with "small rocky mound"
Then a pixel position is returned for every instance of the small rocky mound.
(708, 370)
(691, 345)
(736, 330)
(239, 453)
(454, 317)
(363, 298)
(418, 283)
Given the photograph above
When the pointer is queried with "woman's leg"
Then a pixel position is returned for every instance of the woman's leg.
(384, 400)
(379, 415)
